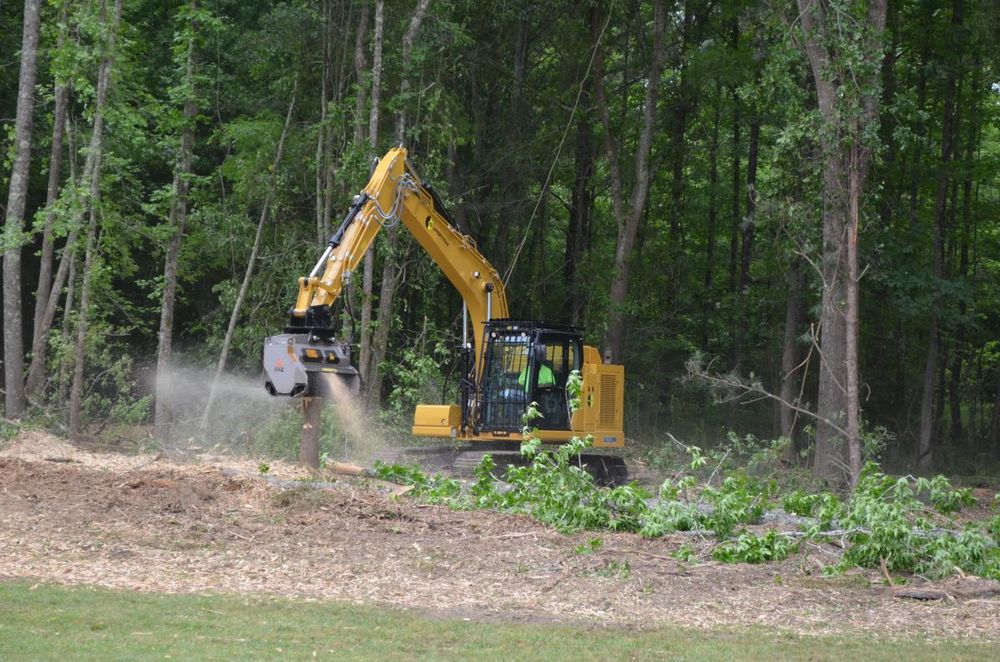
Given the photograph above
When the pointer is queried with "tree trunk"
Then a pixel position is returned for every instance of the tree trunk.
(925, 454)
(39, 338)
(407, 56)
(750, 222)
(846, 164)
(13, 345)
(238, 305)
(390, 269)
(856, 171)
(628, 219)
(321, 132)
(736, 189)
(368, 279)
(312, 426)
(360, 66)
(790, 379)
(713, 213)
(580, 211)
(65, 368)
(66, 268)
(961, 350)
(93, 201)
(832, 397)
(178, 222)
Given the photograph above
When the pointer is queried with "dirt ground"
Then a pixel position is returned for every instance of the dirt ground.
(142, 522)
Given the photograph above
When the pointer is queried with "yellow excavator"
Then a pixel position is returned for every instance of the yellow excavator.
(506, 364)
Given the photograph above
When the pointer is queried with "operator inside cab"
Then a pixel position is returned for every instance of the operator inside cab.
(545, 377)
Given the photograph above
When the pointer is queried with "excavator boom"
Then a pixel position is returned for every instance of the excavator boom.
(394, 194)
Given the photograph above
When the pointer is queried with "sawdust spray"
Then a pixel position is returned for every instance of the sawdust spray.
(244, 415)
(362, 434)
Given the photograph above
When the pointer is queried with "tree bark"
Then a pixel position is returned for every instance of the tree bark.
(391, 272)
(178, 223)
(580, 211)
(713, 213)
(407, 57)
(368, 278)
(961, 350)
(312, 426)
(627, 219)
(925, 454)
(750, 222)
(790, 379)
(39, 338)
(321, 134)
(93, 202)
(13, 335)
(846, 163)
(360, 66)
(251, 263)
(66, 268)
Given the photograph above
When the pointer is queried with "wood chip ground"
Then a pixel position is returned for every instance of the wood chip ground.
(141, 522)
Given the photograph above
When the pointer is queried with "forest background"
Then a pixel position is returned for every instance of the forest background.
(781, 217)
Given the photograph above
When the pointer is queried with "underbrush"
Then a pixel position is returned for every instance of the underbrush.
(901, 524)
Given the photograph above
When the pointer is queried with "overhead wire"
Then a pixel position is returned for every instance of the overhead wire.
(562, 141)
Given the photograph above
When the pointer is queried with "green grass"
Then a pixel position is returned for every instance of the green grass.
(49, 622)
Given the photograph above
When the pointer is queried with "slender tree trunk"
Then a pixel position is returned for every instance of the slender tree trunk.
(627, 220)
(65, 366)
(67, 267)
(713, 213)
(407, 56)
(581, 209)
(750, 222)
(790, 375)
(961, 350)
(368, 278)
(925, 453)
(39, 337)
(856, 171)
(360, 67)
(13, 346)
(178, 222)
(391, 272)
(248, 274)
(736, 189)
(320, 157)
(93, 204)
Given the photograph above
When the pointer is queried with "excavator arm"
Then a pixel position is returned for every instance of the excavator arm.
(394, 194)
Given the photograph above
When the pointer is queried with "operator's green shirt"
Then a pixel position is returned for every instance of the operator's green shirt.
(545, 376)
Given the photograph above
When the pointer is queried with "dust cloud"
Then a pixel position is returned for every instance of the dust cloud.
(241, 408)
(246, 419)
(362, 434)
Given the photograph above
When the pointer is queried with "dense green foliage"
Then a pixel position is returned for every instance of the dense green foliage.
(501, 117)
(906, 524)
(900, 523)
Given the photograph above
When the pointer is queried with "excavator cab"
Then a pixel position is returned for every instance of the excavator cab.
(525, 362)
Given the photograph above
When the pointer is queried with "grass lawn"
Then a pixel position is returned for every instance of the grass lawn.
(52, 622)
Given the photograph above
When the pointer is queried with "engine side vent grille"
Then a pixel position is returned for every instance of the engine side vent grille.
(608, 414)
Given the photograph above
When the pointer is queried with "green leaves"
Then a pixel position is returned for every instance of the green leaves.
(750, 548)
